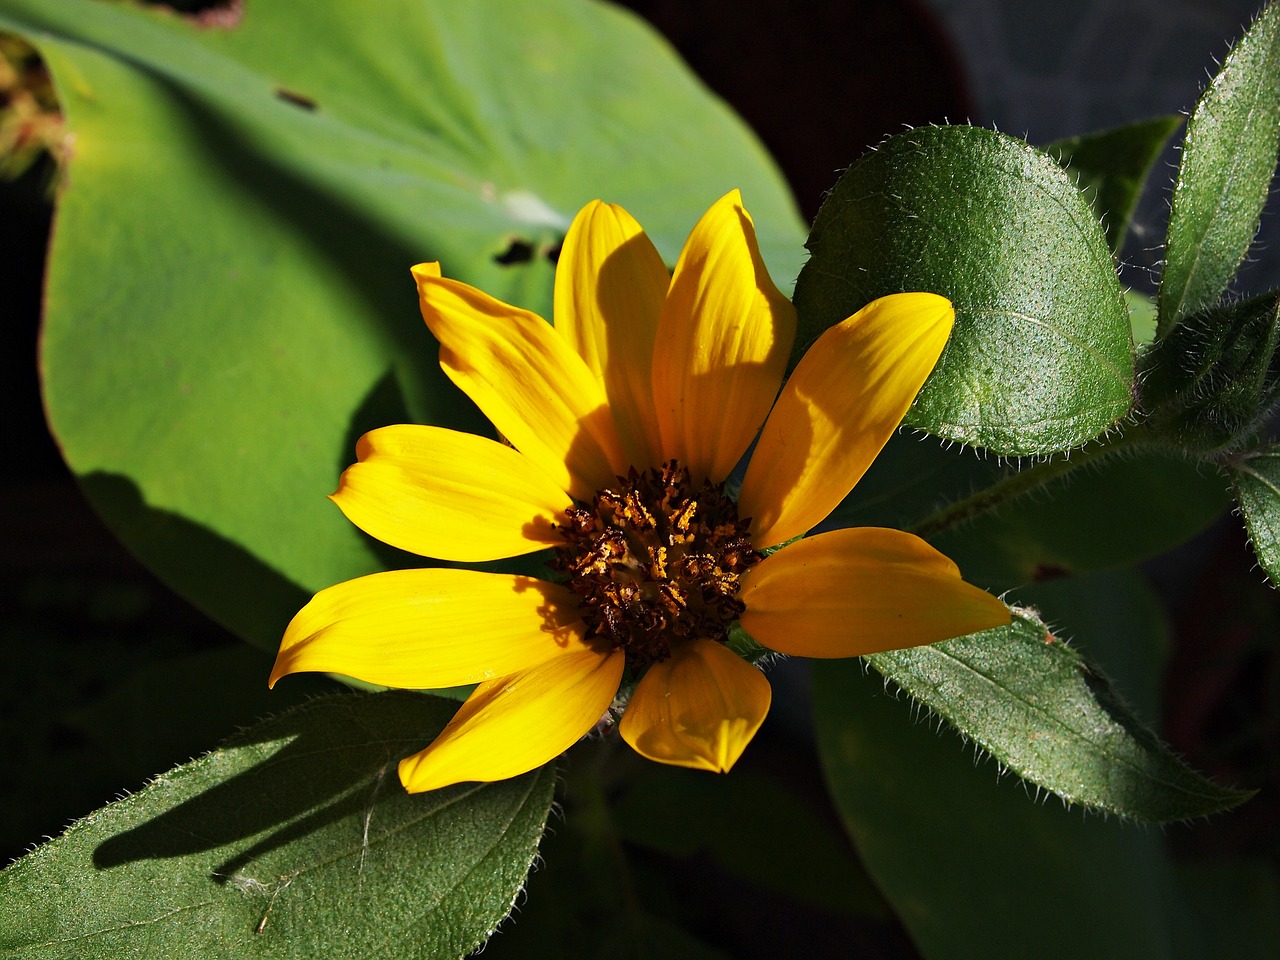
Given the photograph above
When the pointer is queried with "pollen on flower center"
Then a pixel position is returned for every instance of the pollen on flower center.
(656, 563)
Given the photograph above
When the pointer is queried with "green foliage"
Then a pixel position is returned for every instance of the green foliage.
(971, 864)
(1040, 358)
(1256, 478)
(293, 840)
(228, 297)
(1112, 166)
(1214, 379)
(1132, 506)
(1035, 705)
(1228, 159)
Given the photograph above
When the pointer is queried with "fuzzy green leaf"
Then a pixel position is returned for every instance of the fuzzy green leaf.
(1035, 705)
(229, 303)
(1256, 479)
(1228, 160)
(1041, 357)
(1117, 512)
(293, 840)
(1111, 167)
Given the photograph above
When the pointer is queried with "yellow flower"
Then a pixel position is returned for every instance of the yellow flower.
(624, 420)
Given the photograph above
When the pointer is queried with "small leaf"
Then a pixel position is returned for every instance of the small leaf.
(1256, 479)
(294, 840)
(1034, 704)
(1041, 357)
(1228, 159)
(1111, 167)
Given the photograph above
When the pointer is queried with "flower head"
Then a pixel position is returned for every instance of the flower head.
(623, 422)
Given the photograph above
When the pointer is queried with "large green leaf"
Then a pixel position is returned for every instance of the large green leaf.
(228, 298)
(972, 864)
(1256, 479)
(1228, 160)
(1111, 167)
(1041, 357)
(294, 840)
(1035, 705)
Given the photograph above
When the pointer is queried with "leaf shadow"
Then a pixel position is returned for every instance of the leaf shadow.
(203, 566)
(336, 752)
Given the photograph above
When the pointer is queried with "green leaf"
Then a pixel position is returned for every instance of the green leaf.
(1041, 357)
(228, 297)
(1256, 478)
(972, 864)
(1033, 703)
(294, 840)
(758, 829)
(1111, 167)
(1228, 160)
(1119, 511)
(1211, 384)
(1124, 510)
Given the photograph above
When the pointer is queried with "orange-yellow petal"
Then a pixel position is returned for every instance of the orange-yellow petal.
(511, 725)
(450, 495)
(699, 708)
(839, 408)
(526, 379)
(429, 628)
(610, 284)
(722, 347)
(862, 590)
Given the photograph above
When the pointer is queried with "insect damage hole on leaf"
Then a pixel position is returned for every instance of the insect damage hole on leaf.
(297, 99)
(518, 251)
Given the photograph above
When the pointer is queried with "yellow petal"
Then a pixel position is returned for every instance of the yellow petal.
(431, 628)
(837, 411)
(722, 347)
(610, 284)
(699, 708)
(862, 590)
(511, 725)
(450, 495)
(526, 380)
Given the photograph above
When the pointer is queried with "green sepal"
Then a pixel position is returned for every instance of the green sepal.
(1228, 160)
(1212, 382)
(1035, 705)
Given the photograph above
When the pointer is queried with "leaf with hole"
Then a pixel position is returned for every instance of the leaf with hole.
(229, 303)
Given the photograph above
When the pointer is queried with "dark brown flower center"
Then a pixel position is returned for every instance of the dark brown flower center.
(656, 563)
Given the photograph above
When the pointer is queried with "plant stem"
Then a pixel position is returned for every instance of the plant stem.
(1017, 484)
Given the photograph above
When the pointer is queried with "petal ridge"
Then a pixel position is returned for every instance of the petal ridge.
(699, 708)
(513, 724)
(861, 590)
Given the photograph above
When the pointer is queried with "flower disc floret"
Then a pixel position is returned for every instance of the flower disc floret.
(656, 563)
